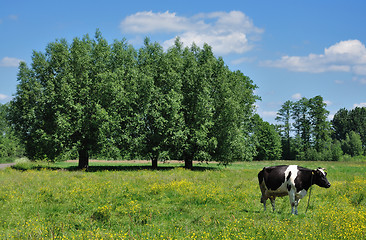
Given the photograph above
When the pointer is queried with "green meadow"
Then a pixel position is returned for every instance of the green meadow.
(130, 201)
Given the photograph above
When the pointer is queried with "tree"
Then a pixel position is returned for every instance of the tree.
(197, 105)
(233, 109)
(121, 85)
(340, 124)
(162, 124)
(217, 109)
(336, 151)
(312, 130)
(284, 117)
(26, 116)
(10, 147)
(352, 145)
(302, 122)
(358, 123)
(57, 106)
(320, 126)
(268, 140)
(90, 98)
(345, 121)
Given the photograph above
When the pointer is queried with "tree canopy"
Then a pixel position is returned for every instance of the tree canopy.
(311, 132)
(268, 141)
(92, 98)
(347, 121)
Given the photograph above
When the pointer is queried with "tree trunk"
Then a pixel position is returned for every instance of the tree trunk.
(154, 163)
(83, 158)
(188, 164)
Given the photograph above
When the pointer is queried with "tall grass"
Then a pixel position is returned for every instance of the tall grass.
(220, 203)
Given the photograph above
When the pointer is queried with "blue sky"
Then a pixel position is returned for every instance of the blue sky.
(290, 49)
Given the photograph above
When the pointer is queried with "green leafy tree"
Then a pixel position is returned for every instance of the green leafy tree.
(197, 105)
(336, 151)
(125, 105)
(10, 148)
(89, 98)
(352, 145)
(284, 117)
(173, 76)
(26, 114)
(162, 125)
(268, 140)
(217, 108)
(302, 122)
(320, 126)
(358, 123)
(233, 109)
(57, 106)
(345, 121)
(310, 125)
(340, 124)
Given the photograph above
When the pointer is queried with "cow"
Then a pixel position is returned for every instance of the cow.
(291, 180)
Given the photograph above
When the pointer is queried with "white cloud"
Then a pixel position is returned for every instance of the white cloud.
(359, 105)
(149, 22)
(3, 97)
(330, 117)
(359, 79)
(234, 42)
(328, 102)
(268, 113)
(296, 96)
(226, 32)
(10, 62)
(344, 56)
(362, 80)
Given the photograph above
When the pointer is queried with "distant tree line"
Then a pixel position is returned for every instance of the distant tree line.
(95, 99)
(349, 127)
(306, 134)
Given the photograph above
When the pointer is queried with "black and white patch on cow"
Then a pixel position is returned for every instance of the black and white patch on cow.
(291, 180)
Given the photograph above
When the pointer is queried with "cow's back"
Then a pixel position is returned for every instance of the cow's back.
(274, 177)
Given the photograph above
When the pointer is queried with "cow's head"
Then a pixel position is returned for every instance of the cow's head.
(320, 178)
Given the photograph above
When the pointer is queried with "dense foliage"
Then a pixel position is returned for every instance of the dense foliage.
(308, 135)
(10, 148)
(268, 141)
(347, 121)
(112, 101)
(91, 98)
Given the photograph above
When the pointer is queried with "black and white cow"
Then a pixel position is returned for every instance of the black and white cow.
(291, 180)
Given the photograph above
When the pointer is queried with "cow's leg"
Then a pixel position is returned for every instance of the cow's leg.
(273, 202)
(296, 204)
(291, 195)
(298, 197)
(264, 200)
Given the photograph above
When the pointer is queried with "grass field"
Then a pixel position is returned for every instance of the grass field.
(120, 201)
